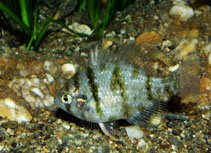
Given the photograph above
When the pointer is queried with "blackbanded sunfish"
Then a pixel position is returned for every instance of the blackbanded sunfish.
(112, 87)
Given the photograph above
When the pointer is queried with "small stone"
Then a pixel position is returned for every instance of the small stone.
(47, 65)
(151, 36)
(38, 92)
(205, 84)
(68, 68)
(141, 144)
(181, 12)
(49, 78)
(111, 34)
(12, 110)
(107, 44)
(193, 33)
(48, 100)
(66, 125)
(134, 132)
(185, 48)
(174, 68)
(23, 73)
(207, 49)
(80, 28)
(206, 115)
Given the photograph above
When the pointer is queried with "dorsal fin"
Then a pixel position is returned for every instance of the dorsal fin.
(131, 55)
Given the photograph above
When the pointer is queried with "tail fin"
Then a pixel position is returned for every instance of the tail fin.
(189, 80)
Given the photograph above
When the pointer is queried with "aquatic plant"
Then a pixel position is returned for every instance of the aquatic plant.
(25, 14)
(99, 15)
(20, 17)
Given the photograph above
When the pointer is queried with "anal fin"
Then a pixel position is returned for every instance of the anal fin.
(149, 117)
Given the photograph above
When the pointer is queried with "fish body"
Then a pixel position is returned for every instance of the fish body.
(110, 88)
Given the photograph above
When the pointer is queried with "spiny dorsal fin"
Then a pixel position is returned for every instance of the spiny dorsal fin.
(131, 55)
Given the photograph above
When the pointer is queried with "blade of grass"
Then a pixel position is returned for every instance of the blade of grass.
(81, 5)
(94, 12)
(24, 12)
(6, 10)
(43, 27)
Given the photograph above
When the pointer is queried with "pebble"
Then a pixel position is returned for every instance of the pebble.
(37, 92)
(151, 36)
(49, 67)
(48, 100)
(80, 28)
(49, 78)
(107, 44)
(68, 68)
(134, 132)
(181, 12)
(207, 49)
(34, 91)
(141, 144)
(185, 48)
(12, 110)
(111, 34)
(205, 84)
(193, 33)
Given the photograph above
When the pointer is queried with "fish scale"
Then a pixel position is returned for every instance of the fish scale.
(111, 88)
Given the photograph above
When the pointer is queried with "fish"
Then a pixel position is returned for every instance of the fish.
(114, 86)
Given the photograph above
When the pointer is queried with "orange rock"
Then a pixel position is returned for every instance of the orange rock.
(194, 33)
(52, 89)
(151, 36)
(205, 84)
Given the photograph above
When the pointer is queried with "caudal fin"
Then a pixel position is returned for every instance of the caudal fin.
(189, 80)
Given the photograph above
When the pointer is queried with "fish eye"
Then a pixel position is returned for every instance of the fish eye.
(66, 99)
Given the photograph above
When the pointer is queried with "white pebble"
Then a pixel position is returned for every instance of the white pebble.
(10, 102)
(174, 68)
(35, 81)
(141, 144)
(185, 48)
(23, 73)
(66, 125)
(48, 100)
(181, 12)
(30, 99)
(49, 78)
(207, 49)
(134, 132)
(81, 28)
(68, 68)
(47, 65)
(37, 92)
